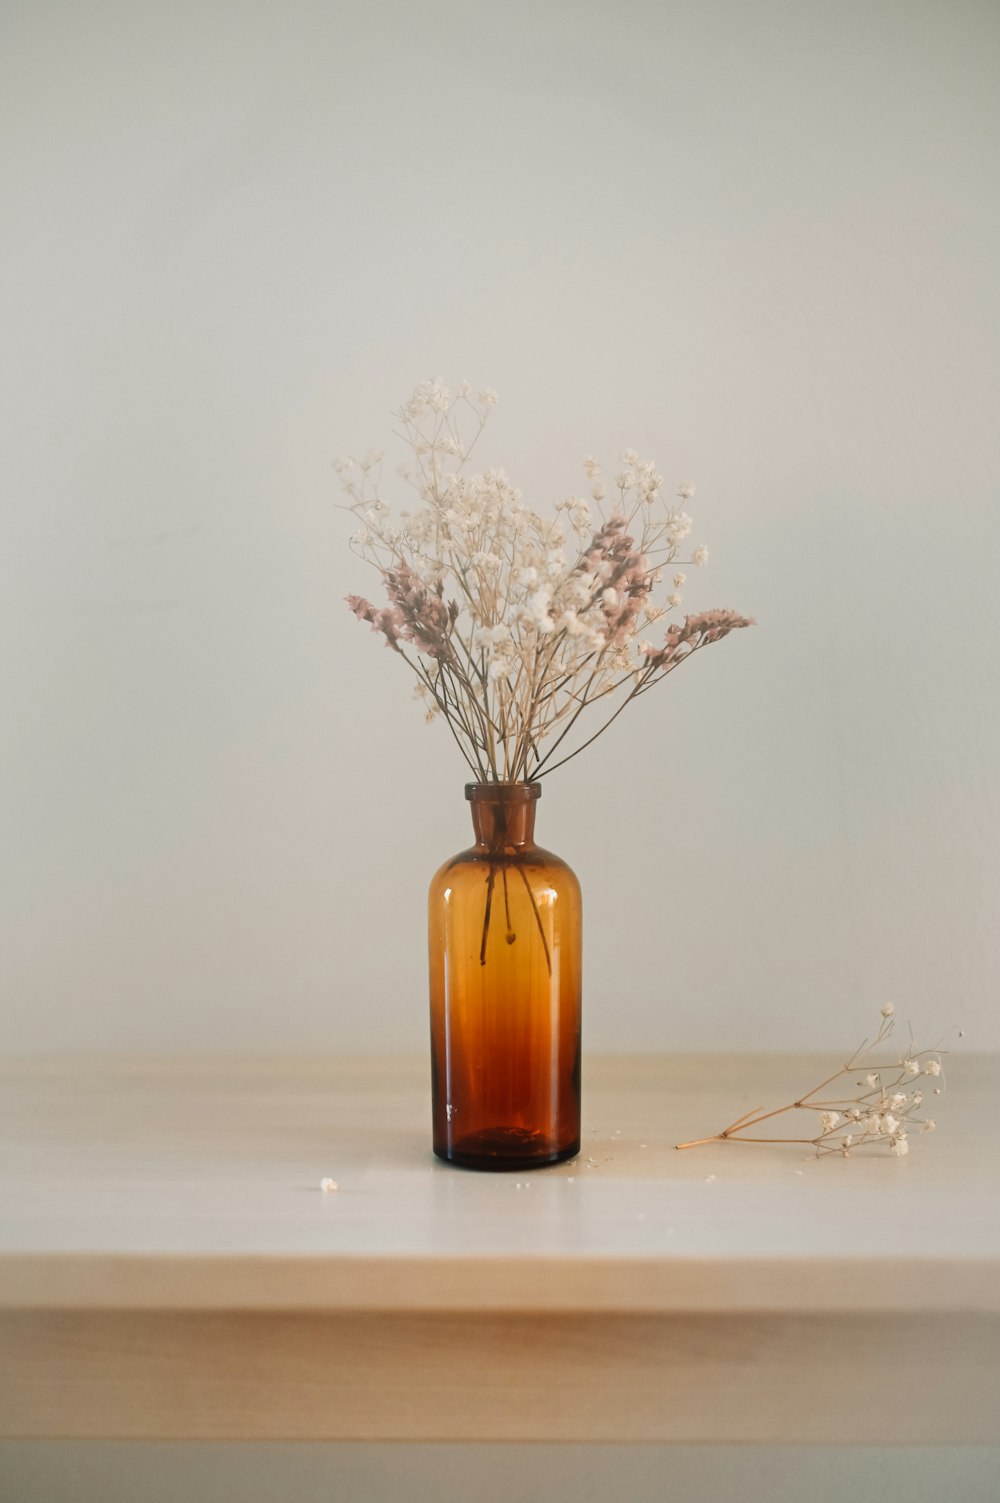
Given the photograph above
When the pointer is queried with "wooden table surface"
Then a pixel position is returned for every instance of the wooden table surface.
(169, 1265)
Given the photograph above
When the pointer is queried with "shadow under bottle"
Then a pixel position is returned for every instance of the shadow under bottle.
(505, 938)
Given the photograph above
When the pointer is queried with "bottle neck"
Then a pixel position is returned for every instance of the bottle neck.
(503, 814)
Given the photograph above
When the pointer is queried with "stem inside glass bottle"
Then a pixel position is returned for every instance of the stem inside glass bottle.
(503, 817)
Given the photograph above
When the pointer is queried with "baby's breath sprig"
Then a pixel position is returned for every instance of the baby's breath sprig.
(885, 1107)
(514, 623)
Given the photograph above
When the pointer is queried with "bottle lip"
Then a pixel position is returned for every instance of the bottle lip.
(507, 793)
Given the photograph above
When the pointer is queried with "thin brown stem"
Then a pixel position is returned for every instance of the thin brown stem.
(538, 773)
(538, 917)
(486, 915)
(511, 936)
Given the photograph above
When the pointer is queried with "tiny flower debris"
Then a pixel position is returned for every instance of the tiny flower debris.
(328, 1186)
(883, 1110)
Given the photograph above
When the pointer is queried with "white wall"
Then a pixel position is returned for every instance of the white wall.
(758, 241)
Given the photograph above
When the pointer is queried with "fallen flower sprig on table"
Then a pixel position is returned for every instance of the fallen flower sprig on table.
(886, 1104)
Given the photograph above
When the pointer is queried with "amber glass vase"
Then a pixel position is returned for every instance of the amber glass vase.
(505, 955)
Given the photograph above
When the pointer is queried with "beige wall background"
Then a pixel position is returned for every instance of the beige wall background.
(758, 242)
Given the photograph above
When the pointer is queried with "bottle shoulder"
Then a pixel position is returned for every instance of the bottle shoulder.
(473, 865)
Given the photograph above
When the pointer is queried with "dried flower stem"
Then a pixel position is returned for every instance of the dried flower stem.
(880, 1114)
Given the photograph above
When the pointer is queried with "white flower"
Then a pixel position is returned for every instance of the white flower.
(491, 636)
(675, 600)
(830, 1120)
(700, 556)
(572, 625)
(932, 1067)
(929, 1125)
(576, 592)
(326, 1185)
(599, 491)
(912, 1067)
(629, 456)
(899, 1145)
(889, 1124)
(872, 1078)
(854, 1113)
(918, 1096)
(680, 579)
(538, 610)
(888, 1010)
(488, 397)
(848, 1140)
(897, 1100)
(873, 1125)
(686, 491)
(581, 518)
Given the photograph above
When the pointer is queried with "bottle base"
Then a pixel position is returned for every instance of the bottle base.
(498, 1150)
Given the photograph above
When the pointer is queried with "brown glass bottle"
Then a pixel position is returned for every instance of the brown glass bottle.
(505, 971)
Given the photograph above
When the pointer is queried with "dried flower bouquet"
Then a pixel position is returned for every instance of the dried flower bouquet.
(516, 624)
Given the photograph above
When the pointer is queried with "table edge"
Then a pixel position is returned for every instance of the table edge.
(494, 1284)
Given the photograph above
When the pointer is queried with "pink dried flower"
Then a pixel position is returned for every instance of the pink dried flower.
(425, 619)
(697, 631)
(624, 575)
(388, 622)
